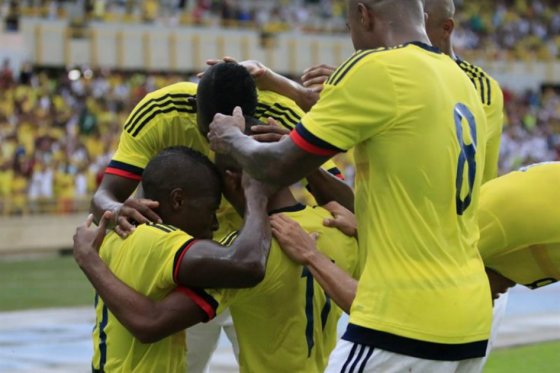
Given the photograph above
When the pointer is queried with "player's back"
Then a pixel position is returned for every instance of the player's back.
(418, 171)
(144, 261)
(519, 229)
(287, 323)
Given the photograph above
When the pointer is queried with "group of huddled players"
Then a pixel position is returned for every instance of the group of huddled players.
(418, 266)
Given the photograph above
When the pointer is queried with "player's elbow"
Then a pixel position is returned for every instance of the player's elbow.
(147, 333)
(251, 273)
(147, 329)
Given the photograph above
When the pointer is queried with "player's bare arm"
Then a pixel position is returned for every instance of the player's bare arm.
(300, 247)
(324, 186)
(327, 188)
(290, 162)
(210, 265)
(147, 320)
(114, 195)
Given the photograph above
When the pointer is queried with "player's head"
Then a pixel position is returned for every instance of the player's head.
(440, 23)
(188, 188)
(376, 23)
(223, 87)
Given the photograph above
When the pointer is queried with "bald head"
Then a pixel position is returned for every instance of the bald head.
(386, 23)
(440, 23)
(439, 10)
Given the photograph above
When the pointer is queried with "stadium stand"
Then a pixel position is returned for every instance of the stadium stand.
(512, 28)
(58, 126)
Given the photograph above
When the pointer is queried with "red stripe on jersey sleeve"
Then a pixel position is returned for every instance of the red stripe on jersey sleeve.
(208, 309)
(123, 173)
(178, 261)
(308, 147)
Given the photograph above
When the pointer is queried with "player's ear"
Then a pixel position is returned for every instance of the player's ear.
(177, 198)
(365, 17)
(448, 27)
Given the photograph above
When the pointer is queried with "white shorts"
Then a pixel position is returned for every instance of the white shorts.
(349, 357)
(202, 340)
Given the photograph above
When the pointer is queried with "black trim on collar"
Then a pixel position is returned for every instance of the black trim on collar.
(425, 46)
(294, 208)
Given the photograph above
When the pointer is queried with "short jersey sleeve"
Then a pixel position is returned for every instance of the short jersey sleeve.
(357, 103)
(161, 119)
(133, 154)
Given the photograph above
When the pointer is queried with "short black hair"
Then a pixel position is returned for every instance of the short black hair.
(180, 167)
(223, 87)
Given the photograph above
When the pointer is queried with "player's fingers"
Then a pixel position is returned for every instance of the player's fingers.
(102, 228)
(316, 72)
(124, 226)
(333, 207)
(120, 232)
(230, 59)
(89, 220)
(146, 209)
(267, 128)
(213, 61)
(238, 112)
(314, 236)
(273, 122)
(317, 80)
(105, 219)
(268, 137)
(328, 223)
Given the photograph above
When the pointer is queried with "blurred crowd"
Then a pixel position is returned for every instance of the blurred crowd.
(514, 28)
(58, 130)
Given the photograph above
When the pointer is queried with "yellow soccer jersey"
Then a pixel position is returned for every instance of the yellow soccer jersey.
(287, 323)
(145, 261)
(419, 133)
(167, 117)
(520, 225)
(493, 102)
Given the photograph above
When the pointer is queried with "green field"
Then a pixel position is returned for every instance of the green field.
(539, 358)
(47, 282)
(58, 282)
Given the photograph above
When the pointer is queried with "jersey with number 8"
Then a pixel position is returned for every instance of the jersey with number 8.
(287, 323)
(418, 131)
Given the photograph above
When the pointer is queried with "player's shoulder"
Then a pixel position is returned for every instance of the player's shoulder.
(154, 232)
(481, 79)
(279, 107)
(181, 89)
(374, 62)
(472, 70)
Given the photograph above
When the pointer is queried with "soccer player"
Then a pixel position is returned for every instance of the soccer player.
(159, 260)
(179, 115)
(286, 323)
(418, 131)
(520, 242)
(440, 26)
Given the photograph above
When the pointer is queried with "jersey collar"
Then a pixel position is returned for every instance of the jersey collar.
(293, 208)
(429, 48)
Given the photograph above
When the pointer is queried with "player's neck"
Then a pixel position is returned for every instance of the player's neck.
(282, 199)
(402, 36)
